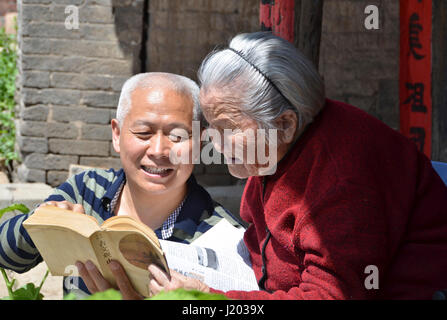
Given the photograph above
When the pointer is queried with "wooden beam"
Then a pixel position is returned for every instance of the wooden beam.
(439, 81)
(308, 25)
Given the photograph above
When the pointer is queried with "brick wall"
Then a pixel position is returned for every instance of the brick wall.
(70, 80)
(361, 66)
(69, 83)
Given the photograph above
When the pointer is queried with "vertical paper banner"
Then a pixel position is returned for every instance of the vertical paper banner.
(278, 16)
(415, 72)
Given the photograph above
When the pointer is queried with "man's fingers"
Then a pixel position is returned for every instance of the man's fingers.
(123, 282)
(83, 273)
(97, 277)
(78, 208)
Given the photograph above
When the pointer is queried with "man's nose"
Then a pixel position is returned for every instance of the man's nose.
(159, 146)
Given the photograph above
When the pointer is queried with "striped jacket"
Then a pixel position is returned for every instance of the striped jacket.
(95, 190)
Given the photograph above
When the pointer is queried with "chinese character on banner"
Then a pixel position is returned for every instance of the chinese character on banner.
(415, 72)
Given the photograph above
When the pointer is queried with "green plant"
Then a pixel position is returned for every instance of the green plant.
(8, 72)
(29, 291)
(179, 294)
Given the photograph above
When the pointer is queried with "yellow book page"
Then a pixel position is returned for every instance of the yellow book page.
(133, 250)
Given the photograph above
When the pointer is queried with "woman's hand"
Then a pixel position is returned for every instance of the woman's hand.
(161, 281)
(95, 282)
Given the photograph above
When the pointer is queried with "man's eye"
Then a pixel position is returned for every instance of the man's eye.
(143, 135)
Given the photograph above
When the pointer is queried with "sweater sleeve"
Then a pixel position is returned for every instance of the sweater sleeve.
(339, 238)
(17, 250)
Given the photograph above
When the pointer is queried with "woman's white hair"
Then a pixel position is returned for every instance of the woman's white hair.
(244, 74)
(178, 83)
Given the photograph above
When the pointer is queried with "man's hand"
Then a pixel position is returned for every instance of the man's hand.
(161, 281)
(95, 282)
(64, 205)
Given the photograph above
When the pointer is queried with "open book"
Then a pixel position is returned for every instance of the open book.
(64, 237)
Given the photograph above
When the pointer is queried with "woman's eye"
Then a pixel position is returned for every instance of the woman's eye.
(179, 136)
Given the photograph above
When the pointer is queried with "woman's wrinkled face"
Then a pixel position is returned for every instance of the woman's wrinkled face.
(239, 139)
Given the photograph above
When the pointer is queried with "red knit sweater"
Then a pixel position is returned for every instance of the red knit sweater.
(351, 193)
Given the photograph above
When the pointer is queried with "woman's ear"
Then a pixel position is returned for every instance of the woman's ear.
(287, 123)
(116, 131)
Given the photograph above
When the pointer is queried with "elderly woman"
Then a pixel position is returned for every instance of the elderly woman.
(352, 210)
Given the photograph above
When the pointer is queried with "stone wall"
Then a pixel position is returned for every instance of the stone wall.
(361, 66)
(70, 80)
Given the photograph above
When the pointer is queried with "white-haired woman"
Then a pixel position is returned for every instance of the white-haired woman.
(352, 210)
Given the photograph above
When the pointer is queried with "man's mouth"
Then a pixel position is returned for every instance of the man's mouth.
(158, 172)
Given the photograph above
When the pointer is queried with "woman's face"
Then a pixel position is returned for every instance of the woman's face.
(246, 149)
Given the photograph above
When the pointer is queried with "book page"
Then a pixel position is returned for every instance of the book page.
(61, 248)
(233, 243)
(133, 250)
(217, 268)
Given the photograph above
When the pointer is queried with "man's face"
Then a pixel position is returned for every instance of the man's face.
(159, 120)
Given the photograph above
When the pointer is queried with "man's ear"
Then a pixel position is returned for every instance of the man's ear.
(287, 123)
(116, 131)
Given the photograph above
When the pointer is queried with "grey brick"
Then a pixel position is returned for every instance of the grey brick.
(102, 32)
(31, 12)
(50, 96)
(36, 79)
(87, 115)
(86, 48)
(36, 1)
(62, 130)
(25, 174)
(76, 64)
(100, 99)
(51, 63)
(88, 13)
(32, 144)
(49, 30)
(31, 128)
(49, 161)
(36, 46)
(56, 178)
(80, 81)
(101, 162)
(79, 147)
(96, 132)
(36, 113)
(118, 82)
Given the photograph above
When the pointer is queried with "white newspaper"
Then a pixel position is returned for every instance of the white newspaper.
(218, 258)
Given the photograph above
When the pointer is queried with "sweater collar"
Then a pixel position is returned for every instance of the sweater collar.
(295, 150)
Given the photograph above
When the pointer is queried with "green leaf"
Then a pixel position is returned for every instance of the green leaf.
(110, 294)
(182, 294)
(27, 292)
(18, 206)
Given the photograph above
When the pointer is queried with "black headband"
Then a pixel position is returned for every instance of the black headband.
(262, 73)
